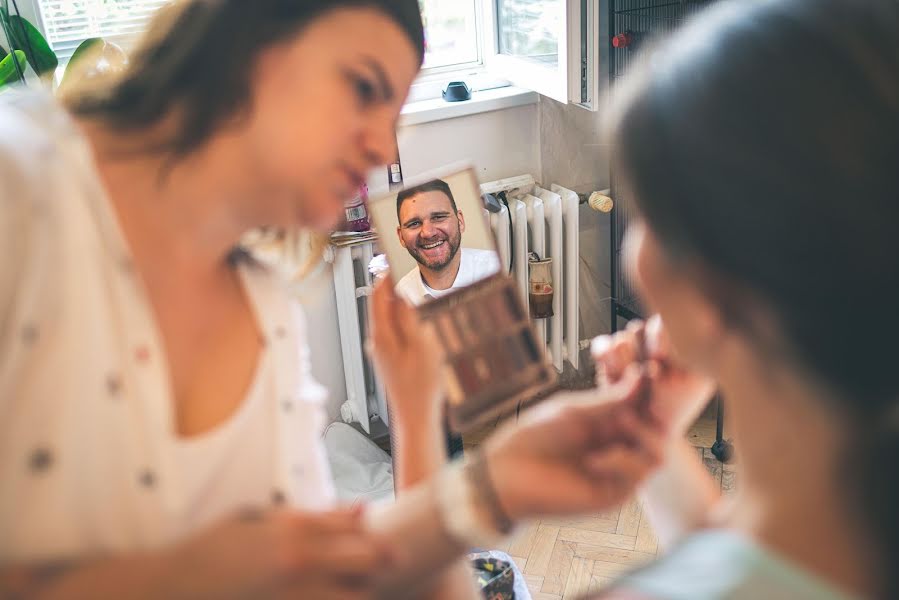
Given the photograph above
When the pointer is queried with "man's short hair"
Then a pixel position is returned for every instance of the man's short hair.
(435, 185)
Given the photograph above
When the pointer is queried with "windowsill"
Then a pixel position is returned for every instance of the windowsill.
(426, 111)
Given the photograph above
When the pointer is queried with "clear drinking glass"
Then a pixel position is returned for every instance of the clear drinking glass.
(540, 287)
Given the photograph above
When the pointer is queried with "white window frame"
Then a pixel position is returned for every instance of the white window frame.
(545, 80)
(579, 53)
(575, 79)
(431, 82)
(478, 63)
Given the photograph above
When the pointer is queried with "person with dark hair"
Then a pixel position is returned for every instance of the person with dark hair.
(761, 148)
(430, 228)
(160, 429)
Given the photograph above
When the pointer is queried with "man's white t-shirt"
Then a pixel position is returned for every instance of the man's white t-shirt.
(475, 265)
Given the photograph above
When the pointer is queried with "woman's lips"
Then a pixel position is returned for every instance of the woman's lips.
(356, 177)
(352, 181)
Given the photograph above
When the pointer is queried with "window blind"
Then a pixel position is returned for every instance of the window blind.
(69, 22)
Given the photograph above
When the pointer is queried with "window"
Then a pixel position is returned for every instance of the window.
(451, 33)
(529, 29)
(67, 23)
(549, 46)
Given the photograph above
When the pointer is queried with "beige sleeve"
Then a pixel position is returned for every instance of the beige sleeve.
(15, 225)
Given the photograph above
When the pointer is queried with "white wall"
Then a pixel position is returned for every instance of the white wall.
(573, 154)
(317, 298)
(500, 143)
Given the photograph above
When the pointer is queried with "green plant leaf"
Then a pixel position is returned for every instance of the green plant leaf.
(8, 71)
(26, 37)
(4, 18)
(3, 53)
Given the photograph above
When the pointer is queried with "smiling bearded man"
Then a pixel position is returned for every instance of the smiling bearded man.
(430, 229)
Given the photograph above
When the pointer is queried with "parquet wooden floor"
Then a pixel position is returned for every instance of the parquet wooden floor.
(563, 559)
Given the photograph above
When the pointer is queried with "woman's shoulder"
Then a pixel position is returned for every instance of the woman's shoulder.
(719, 564)
(26, 142)
(31, 124)
(41, 152)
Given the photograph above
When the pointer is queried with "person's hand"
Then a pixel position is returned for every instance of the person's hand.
(576, 453)
(676, 395)
(407, 356)
(280, 553)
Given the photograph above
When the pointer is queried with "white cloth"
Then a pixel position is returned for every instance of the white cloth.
(474, 265)
(89, 459)
(219, 470)
(363, 473)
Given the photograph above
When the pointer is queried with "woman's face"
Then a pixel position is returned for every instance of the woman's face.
(324, 111)
(667, 287)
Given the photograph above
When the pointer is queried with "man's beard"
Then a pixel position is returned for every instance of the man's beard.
(418, 254)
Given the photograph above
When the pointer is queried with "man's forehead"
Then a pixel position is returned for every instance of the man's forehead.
(424, 203)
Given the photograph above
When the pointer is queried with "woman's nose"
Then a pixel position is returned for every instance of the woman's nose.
(379, 141)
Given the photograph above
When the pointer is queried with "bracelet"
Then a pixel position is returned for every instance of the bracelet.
(465, 509)
(479, 475)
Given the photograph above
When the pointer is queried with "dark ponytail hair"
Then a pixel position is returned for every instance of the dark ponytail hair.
(198, 56)
(762, 142)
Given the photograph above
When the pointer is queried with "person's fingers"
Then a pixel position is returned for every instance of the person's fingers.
(599, 346)
(357, 556)
(326, 588)
(621, 354)
(594, 410)
(647, 437)
(658, 346)
(630, 384)
(635, 325)
(619, 467)
(340, 521)
(407, 321)
(381, 321)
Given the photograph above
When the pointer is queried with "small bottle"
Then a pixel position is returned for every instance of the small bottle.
(395, 175)
(357, 211)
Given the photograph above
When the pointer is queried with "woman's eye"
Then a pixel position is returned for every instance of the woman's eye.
(365, 91)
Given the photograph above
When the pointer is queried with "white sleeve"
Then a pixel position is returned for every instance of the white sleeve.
(312, 390)
(15, 225)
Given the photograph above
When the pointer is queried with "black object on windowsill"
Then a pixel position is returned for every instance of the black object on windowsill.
(457, 91)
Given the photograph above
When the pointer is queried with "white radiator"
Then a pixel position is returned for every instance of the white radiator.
(543, 221)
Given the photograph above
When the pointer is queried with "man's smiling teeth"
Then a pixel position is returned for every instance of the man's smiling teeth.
(434, 245)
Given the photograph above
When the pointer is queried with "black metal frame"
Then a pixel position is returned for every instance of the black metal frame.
(646, 18)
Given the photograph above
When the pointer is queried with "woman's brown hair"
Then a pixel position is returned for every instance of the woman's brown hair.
(762, 142)
(197, 59)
